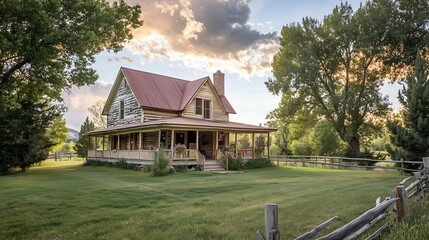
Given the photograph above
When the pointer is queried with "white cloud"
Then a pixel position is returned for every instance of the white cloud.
(78, 100)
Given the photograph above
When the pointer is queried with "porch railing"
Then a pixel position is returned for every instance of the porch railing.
(143, 155)
(219, 155)
(201, 160)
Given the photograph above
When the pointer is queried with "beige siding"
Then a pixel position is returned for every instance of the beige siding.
(206, 93)
(150, 140)
(151, 115)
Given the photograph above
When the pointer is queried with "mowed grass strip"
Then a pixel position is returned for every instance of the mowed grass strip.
(76, 202)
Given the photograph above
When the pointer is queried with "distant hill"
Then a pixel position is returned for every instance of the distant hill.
(72, 134)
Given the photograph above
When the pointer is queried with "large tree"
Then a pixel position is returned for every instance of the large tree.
(411, 136)
(57, 133)
(47, 47)
(338, 65)
(82, 143)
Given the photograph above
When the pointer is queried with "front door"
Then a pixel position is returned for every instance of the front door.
(205, 143)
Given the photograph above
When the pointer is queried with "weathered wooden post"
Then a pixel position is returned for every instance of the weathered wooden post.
(401, 203)
(419, 189)
(271, 223)
(402, 166)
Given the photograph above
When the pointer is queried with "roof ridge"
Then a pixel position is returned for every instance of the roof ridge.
(158, 75)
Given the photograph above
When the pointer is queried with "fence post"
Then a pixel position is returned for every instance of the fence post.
(419, 189)
(278, 160)
(55, 156)
(401, 203)
(402, 166)
(272, 222)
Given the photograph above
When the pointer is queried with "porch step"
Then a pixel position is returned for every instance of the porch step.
(213, 165)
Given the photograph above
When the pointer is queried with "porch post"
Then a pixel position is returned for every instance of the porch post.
(196, 146)
(119, 142)
(253, 145)
(236, 145)
(159, 138)
(268, 145)
(103, 141)
(172, 142)
(140, 140)
(96, 141)
(216, 144)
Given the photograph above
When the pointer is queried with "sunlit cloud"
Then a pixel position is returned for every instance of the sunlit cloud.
(205, 35)
(78, 100)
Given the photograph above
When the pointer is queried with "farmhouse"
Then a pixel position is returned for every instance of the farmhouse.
(146, 111)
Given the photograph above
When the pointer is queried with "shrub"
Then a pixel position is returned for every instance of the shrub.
(258, 163)
(234, 163)
(160, 164)
(122, 163)
(181, 168)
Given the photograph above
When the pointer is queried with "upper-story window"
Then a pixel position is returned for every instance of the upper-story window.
(121, 109)
(199, 106)
(207, 109)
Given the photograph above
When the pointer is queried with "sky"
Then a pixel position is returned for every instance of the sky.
(191, 39)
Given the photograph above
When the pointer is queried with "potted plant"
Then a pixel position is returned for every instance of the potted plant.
(180, 149)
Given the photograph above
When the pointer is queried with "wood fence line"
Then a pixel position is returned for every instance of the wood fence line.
(60, 155)
(357, 227)
(341, 162)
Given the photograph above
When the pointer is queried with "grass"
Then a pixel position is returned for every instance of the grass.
(76, 202)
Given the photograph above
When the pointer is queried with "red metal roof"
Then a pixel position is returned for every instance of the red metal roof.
(184, 121)
(162, 92)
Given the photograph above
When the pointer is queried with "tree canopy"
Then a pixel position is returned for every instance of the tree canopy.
(337, 66)
(47, 47)
(411, 137)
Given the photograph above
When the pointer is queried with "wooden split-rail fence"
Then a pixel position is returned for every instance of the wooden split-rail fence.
(359, 226)
(59, 156)
(343, 162)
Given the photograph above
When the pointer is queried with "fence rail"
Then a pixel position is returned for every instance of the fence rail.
(359, 226)
(58, 156)
(342, 162)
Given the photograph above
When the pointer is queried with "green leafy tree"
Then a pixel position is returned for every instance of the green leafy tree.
(325, 139)
(338, 65)
(259, 145)
(411, 137)
(81, 147)
(57, 133)
(244, 141)
(303, 145)
(65, 148)
(100, 121)
(47, 47)
(29, 143)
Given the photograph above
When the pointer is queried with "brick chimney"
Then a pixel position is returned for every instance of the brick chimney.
(219, 82)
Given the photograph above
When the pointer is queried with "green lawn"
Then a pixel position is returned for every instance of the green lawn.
(76, 202)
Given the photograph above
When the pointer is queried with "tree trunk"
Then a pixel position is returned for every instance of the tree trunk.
(354, 144)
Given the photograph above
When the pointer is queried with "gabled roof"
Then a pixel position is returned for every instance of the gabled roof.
(161, 92)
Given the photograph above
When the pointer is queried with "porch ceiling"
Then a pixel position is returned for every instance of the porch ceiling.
(184, 123)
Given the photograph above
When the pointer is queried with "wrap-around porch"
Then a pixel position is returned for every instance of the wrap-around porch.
(142, 147)
(182, 140)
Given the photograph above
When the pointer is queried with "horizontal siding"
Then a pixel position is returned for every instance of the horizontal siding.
(150, 140)
(207, 93)
(151, 115)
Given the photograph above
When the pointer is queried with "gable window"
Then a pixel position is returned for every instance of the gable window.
(199, 106)
(121, 109)
(207, 109)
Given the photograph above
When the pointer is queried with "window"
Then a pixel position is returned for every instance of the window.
(199, 106)
(121, 109)
(206, 109)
